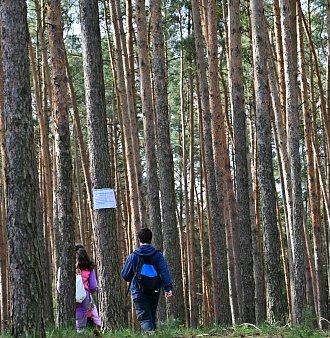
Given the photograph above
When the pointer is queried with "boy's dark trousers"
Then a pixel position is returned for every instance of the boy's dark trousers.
(145, 307)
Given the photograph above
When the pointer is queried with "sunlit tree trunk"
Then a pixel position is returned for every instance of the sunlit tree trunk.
(279, 61)
(105, 230)
(314, 58)
(328, 110)
(220, 147)
(310, 270)
(152, 181)
(4, 314)
(119, 135)
(63, 212)
(266, 179)
(21, 176)
(184, 202)
(284, 171)
(127, 110)
(215, 220)
(128, 57)
(80, 140)
(296, 234)
(46, 158)
(80, 213)
(237, 105)
(203, 215)
(165, 158)
(46, 174)
(314, 198)
(193, 301)
(256, 223)
(232, 222)
(328, 61)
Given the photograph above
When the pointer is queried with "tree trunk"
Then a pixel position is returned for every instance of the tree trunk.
(193, 287)
(184, 202)
(314, 198)
(207, 307)
(296, 233)
(4, 313)
(80, 140)
(154, 218)
(166, 166)
(279, 62)
(21, 176)
(220, 147)
(105, 230)
(46, 173)
(241, 148)
(258, 260)
(127, 111)
(215, 221)
(63, 213)
(271, 241)
(46, 157)
(284, 169)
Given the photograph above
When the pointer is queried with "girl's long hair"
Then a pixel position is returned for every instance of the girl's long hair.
(83, 262)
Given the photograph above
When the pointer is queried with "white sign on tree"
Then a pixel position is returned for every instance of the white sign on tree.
(104, 198)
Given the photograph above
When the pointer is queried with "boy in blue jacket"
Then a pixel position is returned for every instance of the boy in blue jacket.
(146, 302)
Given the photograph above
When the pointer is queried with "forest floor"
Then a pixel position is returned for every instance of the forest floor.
(241, 331)
(170, 331)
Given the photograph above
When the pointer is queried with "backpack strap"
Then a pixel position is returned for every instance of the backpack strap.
(129, 285)
(135, 272)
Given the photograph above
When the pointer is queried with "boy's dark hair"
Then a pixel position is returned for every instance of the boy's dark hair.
(83, 262)
(78, 246)
(145, 235)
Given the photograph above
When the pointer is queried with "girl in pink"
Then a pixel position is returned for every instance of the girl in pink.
(85, 267)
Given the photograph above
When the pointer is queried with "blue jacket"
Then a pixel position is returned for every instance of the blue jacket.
(158, 261)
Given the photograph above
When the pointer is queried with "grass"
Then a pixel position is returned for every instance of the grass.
(173, 330)
(169, 330)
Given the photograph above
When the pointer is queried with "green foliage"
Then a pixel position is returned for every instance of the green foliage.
(173, 329)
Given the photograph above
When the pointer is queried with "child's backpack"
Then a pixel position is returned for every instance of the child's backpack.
(147, 275)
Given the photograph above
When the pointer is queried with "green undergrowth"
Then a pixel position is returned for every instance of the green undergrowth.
(241, 332)
(173, 330)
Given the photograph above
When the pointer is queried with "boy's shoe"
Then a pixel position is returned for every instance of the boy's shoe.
(80, 330)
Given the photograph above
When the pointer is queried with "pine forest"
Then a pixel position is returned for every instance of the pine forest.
(206, 121)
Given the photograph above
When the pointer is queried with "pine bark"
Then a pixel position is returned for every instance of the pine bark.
(328, 60)
(63, 211)
(127, 112)
(266, 179)
(284, 168)
(296, 233)
(21, 176)
(193, 274)
(105, 231)
(241, 148)
(4, 272)
(212, 197)
(166, 167)
(48, 208)
(220, 147)
(314, 198)
(129, 63)
(80, 140)
(149, 127)
(44, 132)
(279, 61)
